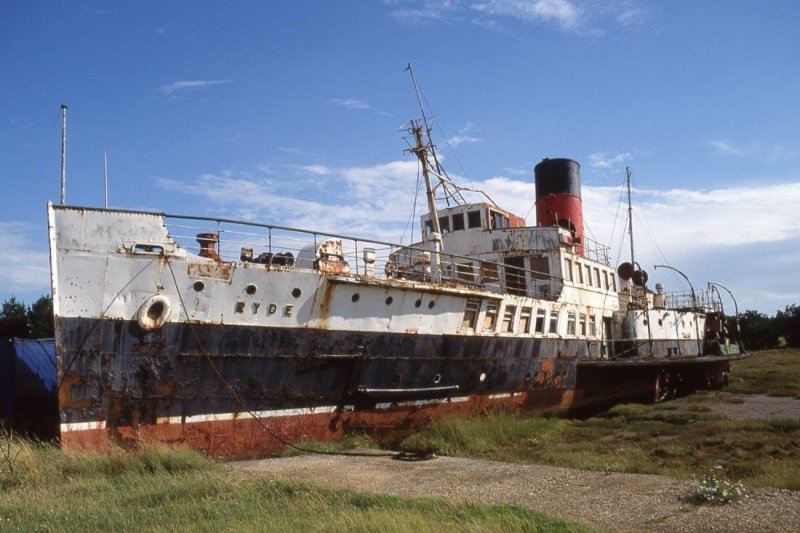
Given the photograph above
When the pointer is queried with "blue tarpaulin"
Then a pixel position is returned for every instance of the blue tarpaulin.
(28, 395)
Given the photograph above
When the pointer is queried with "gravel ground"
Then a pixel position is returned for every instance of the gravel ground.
(613, 501)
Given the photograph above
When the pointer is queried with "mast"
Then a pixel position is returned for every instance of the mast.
(630, 213)
(105, 175)
(63, 153)
(421, 151)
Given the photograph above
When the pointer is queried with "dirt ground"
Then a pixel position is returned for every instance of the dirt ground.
(608, 501)
(752, 406)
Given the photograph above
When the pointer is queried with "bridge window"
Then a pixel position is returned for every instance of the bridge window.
(582, 325)
(458, 221)
(568, 269)
(592, 326)
(579, 269)
(444, 224)
(474, 219)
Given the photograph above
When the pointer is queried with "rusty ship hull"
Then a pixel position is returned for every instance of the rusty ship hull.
(240, 338)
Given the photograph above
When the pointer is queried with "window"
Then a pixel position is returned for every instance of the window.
(597, 277)
(525, 320)
(553, 322)
(605, 279)
(579, 268)
(474, 219)
(428, 227)
(470, 319)
(541, 318)
(515, 275)
(571, 323)
(464, 272)
(508, 319)
(458, 221)
(582, 325)
(444, 224)
(613, 283)
(568, 269)
(589, 275)
(540, 268)
(490, 319)
(489, 271)
(592, 326)
(498, 221)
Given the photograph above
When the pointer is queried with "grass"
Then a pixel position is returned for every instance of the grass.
(160, 489)
(678, 439)
(772, 372)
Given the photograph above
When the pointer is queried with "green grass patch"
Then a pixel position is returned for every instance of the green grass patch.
(161, 489)
(636, 438)
(772, 372)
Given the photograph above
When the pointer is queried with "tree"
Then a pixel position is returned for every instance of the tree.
(13, 319)
(787, 325)
(758, 331)
(40, 318)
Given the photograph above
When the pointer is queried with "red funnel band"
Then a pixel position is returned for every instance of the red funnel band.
(562, 210)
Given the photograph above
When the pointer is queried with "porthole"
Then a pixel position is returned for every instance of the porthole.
(198, 286)
(296, 292)
(355, 297)
(482, 377)
(431, 304)
(418, 303)
(389, 300)
(250, 289)
(437, 378)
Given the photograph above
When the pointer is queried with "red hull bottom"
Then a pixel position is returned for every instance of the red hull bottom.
(260, 434)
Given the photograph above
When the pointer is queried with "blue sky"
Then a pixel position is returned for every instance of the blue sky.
(288, 112)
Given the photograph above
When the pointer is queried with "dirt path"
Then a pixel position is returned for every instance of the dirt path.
(614, 501)
(621, 502)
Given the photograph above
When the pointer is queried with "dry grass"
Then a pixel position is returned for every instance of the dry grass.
(161, 489)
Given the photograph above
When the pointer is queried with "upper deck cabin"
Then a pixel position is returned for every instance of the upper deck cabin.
(492, 248)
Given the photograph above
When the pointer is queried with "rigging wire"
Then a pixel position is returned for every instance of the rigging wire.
(413, 208)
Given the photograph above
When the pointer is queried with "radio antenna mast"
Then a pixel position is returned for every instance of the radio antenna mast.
(63, 153)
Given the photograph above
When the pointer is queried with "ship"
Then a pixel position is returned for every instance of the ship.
(240, 338)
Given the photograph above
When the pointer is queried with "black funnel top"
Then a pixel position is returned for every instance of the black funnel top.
(558, 176)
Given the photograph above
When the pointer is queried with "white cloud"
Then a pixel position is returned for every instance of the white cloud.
(179, 87)
(572, 16)
(24, 266)
(319, 170)
(563, 12)
(771, 153)
(601, 160)
(350, 103)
